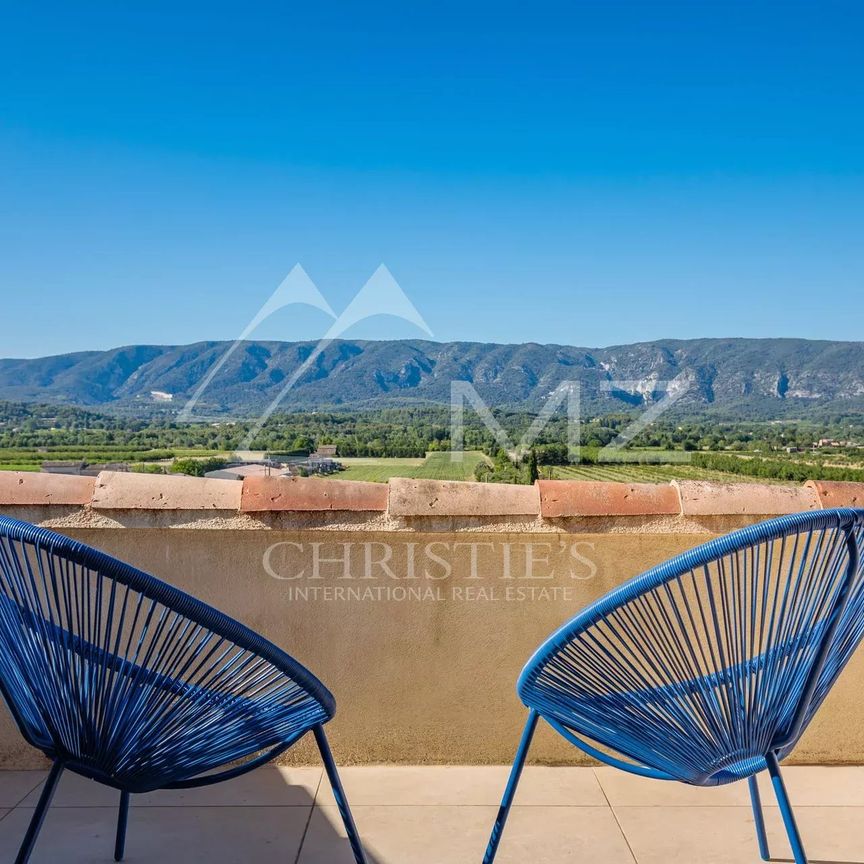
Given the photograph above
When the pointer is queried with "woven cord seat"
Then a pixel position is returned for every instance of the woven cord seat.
(124, 679)
(707, 669)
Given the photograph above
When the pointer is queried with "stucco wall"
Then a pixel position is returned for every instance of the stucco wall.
(421, 635)
(417, 602)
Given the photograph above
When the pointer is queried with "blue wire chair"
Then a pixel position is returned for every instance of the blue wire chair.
(708, 668)
(124, 679)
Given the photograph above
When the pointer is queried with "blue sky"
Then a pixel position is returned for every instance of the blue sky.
(583, 173)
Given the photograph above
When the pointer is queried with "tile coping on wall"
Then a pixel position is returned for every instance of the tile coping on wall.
(410, 499)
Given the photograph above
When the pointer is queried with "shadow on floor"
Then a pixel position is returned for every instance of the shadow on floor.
(324, 839)
(256, 819)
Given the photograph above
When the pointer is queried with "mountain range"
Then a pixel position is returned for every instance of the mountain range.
(746, 377)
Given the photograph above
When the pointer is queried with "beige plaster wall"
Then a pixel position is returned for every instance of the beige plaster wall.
(424, 643)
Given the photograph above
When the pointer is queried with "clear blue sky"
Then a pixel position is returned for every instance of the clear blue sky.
(583, 173)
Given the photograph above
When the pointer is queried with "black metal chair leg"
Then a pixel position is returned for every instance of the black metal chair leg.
(786, 810)
(759, 819)
(339, 795)
(35, 826)
(122, 819)
(512, 783)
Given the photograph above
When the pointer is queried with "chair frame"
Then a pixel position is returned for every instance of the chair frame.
(849, 521)
(64, 548)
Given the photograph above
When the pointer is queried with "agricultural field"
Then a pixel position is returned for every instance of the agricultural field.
(649, 474)
(31, 459)
(436, 466)
(376, 470)
(439, 466)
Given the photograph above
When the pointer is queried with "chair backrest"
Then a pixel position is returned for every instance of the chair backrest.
(704, 664)
(111, 669)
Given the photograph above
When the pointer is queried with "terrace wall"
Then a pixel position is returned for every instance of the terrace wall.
(417, 602)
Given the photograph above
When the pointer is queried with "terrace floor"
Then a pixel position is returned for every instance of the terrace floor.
(437, 815)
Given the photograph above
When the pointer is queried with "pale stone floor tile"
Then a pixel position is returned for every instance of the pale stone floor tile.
(76, 791)
(469, 785)
(807, 786)
(458, 835)
(191, 835)
(268, 786)
(629, 790)
(440, 815)
(727, 835)
(16, 785)
(815, 786)
(830, 834)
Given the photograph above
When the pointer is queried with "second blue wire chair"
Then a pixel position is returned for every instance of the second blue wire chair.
(124, 679)
(708, 668)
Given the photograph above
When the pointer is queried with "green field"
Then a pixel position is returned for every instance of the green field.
(439, 466)
(31, 458)
(377, 470)
(649, 474)
(436, 466)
